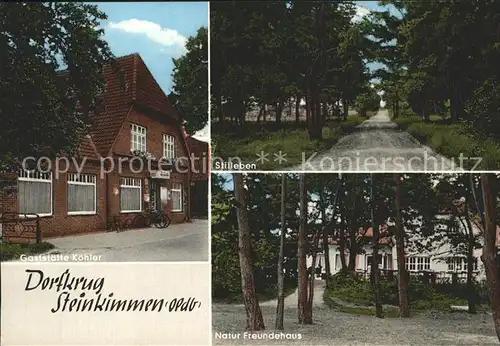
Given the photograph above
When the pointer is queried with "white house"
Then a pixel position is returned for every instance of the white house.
(440, 260)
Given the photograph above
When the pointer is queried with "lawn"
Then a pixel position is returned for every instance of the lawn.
(292, 142)
(10, 252)
(349, 293)
(269, 294)
(452, 140)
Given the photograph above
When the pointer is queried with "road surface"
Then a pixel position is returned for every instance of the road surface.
(178, 242)
(378, 145)
(336, 328)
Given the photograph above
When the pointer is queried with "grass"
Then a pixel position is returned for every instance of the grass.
(293, 142)
(10, 252)
(269, 294)
(452, 140)
(348, 293)
(334, 304)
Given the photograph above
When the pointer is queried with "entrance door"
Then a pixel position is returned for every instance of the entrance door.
(155, 195)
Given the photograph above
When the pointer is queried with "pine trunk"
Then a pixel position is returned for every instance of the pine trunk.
(490, 255)
(254, 315)
(375, 242)
(297, 109)
(280, 309)
(326, 251)
(404, 308)
(303, 314)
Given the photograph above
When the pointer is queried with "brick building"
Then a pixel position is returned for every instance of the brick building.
(135, 126)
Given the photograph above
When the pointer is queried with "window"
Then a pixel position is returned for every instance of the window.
(168, 146)
(176, 197)
(418, 263)
(130, 195)
(138, 138)
(338, 263)
(384, 261)
(81, 194)
(35, 193)
(459, 264)
(388, 262)
(319, 260)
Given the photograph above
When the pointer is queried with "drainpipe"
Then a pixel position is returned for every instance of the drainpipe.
(188, 190)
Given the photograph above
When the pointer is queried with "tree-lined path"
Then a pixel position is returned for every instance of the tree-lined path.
(379, 145)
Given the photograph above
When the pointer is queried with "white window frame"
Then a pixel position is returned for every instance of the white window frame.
(85, 180)
(140, 132)
(385, 262)
(412, 263)
(458, 264)
(168, 146)
(25, 175)
(180, 190)
(131, 183)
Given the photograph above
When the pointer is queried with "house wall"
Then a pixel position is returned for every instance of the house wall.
(437, 260)
(107, 203)
(155, 130)
(361, 259)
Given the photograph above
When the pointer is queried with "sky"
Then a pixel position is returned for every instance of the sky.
(156, 30)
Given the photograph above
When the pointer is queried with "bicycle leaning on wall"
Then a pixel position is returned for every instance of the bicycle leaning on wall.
(158, 218)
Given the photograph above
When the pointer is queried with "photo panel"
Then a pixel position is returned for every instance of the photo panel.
(355, 259)
(104, 174)
(354, 86)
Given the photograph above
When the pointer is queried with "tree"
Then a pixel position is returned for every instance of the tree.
(45, 112)
(304, 315)
(281, 277)
(462, 231)
(253, 312)
(251, 66)
(367, 101)
(375, 274)
(404, 309)
(190, 82)
(490, 257)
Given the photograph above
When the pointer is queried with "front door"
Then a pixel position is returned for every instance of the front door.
(155, 195)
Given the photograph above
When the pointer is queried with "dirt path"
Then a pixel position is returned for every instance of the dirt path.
(378, 145)
(336, 328)
(291, 299)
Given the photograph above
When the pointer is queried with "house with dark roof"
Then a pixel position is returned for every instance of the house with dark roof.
(135, 158)
(440, 260)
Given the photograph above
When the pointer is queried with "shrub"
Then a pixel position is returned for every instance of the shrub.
(10, 252)
(351, 288)
(483, 108)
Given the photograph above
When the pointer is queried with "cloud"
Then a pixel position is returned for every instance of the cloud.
(163, 36)
(361, 12)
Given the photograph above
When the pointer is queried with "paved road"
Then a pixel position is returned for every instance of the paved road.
(378, 145)
(335, 328)
(179, 242)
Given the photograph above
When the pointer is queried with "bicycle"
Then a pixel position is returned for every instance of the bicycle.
(115, 225)
(156, 217)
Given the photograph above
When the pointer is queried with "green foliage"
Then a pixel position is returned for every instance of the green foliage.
(252, 45)
(190, 82)
(351, 288)
(483, 108)
(10, 252)
(37, 101)
(294, 142)
(264, 221)
(444, 59)
(367, 101)
(452, 140)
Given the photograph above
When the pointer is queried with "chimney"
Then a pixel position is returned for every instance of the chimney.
(183, 128)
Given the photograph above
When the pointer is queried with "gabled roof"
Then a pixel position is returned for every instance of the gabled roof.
(131, 83)
(385, 237)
